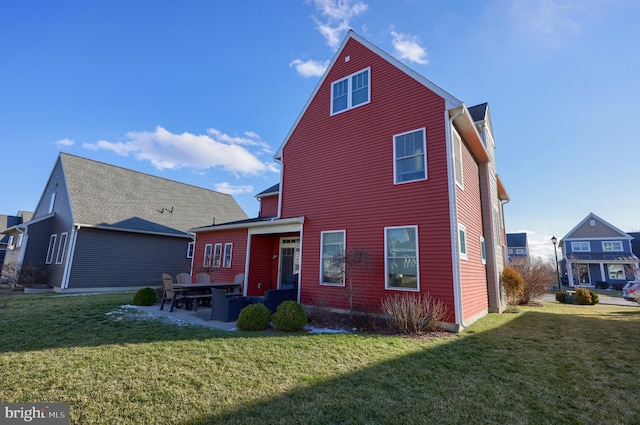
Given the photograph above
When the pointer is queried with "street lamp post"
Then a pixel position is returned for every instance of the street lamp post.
(555, 251)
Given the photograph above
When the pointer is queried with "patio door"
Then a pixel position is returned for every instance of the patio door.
(289, 258)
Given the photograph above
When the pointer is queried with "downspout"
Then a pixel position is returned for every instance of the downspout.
(69, 261)
(457, 299)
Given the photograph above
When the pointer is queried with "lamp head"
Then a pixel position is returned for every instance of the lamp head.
(554, 239)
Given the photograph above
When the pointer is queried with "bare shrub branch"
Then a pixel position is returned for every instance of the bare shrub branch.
(414, 314)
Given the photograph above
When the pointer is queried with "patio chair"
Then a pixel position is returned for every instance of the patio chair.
(183, 278)
(171, 294)
(203, 278)
(224, 307)
(238, 280)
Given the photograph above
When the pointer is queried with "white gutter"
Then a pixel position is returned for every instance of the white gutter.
(145, 232)
(264, 223)
(453, 219)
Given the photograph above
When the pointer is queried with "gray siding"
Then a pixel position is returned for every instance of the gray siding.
(112, 259)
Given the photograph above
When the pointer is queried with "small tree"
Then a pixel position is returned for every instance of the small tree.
(513, 284)
(346, 262)
(537, 274)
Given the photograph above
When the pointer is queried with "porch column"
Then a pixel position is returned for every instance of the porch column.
(570, 272)
(602, 278)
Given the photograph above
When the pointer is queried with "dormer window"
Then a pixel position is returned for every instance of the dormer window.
(350, 92)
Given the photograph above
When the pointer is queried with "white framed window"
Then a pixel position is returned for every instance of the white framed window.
(410, 156)
(616, 271)
(401, 258)
(332, 244)
(20, 240)
(510, 251)
(351, 91)
(208, 248)
(228, 248)
(462, 241)
(190, 247)
(10, 244)
(520, 251)
(217, 255)
(612, 246)
(62, 247)
(457, 157)
(483, 251)
(580, 246)
(52, 247)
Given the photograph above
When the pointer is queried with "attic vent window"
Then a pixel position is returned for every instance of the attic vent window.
(347, 58)
(592, 223)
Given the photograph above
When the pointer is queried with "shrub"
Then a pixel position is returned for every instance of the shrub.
(537, 274)
(289, 317)
(561, 297)
(145, 296)
(254, 317)
(411, 314)
(594, 297)
(583, 296)
(513, 284)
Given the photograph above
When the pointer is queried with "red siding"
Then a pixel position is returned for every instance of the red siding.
(269, 206)
(338, 173)
(475, 296)
(239, 254)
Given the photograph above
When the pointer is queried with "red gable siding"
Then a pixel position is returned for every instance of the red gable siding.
(338, 174)
(475, 297)
(269, 206)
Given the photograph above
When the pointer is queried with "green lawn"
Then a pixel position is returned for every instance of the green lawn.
(547, 365)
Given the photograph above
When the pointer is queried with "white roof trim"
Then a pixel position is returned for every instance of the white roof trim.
(265, 223)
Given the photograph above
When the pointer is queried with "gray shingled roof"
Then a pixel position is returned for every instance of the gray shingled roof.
(272, 190)
(516, 240)
(110, 196)
(478, 112)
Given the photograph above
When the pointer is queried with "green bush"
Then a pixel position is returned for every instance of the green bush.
(561, 297)
(254, 317)
(594, 298)
(583, 296)
(289, 317)
(145, 296)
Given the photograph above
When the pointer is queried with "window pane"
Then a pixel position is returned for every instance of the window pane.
(340, 95)
(402, 261)
(332, 246)
(410, 156)
(360, 88)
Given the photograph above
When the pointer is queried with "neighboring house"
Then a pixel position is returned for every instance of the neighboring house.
(383, 160)
(596, 251)
(517, 246)
(99, 227)
(6, 241)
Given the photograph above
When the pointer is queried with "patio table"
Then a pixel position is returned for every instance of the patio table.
(194, 290)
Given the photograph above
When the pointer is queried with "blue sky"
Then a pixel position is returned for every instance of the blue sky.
(203, 92)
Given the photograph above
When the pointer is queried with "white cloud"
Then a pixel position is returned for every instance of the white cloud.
(337, 15)
(408, 48)
(541, 245)
(547, 23)
(166, 150)
(309, 68)
(65, 142)
(230, 189)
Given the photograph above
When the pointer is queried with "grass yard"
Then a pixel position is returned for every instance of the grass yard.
(557, 364)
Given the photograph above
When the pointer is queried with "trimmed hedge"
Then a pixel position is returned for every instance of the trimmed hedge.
(289, 317)
(254, 317)
(145, 296)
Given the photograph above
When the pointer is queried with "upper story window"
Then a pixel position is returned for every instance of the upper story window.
(580, 247)
(410, 156)
(483, 251)
(207, 255)
(520, 251)
(351, 91)
(612, 246)
(190, 247)
(52, 203)
(228, 248)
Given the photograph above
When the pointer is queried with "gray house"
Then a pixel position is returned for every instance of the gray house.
(6, 221)
(102, 227)
(517, 247)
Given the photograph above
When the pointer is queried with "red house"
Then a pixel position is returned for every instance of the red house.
(379, 159)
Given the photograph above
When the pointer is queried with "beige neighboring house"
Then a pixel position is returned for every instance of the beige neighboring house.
(101, 227)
